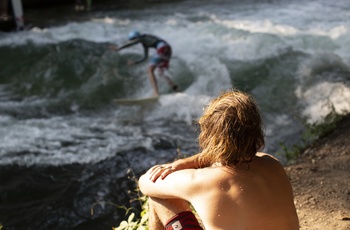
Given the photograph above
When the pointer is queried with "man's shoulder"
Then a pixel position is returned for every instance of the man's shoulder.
(260, 154)
(266, 156)
(205, 173)
(267, 162)
(208, 174)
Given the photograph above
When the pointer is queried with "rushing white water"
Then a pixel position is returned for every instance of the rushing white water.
(292, 57)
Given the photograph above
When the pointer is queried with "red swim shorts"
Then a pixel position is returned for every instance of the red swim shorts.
(162, 57)
(185, 221)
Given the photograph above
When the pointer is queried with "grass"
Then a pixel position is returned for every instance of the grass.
(133, 223)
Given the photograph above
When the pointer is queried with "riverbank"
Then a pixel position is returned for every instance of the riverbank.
(321, 181)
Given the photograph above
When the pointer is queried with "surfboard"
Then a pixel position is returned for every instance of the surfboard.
(135, 101)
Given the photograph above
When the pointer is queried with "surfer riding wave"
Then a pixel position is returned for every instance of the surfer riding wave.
(160, 59)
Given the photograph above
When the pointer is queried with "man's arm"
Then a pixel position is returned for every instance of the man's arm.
(180, 184)
(191, 162)
(145, 55)
(128, 44)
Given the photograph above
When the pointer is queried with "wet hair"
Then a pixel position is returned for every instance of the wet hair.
(231, 129)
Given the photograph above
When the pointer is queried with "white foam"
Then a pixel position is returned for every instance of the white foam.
(179, 107)
(66, 140)
(323, 98)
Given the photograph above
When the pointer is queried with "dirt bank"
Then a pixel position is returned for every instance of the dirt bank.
(321, 181)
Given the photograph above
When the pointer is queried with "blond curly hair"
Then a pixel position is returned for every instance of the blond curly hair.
(231, 130)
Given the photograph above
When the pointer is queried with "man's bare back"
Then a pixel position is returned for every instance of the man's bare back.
(255, 194)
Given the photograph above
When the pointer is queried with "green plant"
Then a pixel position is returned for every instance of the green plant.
(136, 224)
(130, 223)
(110, 203)
(291, 154)
(139, 223)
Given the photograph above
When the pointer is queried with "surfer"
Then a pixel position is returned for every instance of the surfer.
(159, 61)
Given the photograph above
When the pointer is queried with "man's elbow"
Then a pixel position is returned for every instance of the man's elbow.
(141, 183)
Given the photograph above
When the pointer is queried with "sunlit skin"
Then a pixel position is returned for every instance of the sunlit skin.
(254, 193)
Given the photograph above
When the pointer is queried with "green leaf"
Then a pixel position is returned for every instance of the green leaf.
(131, 217)
(144, 218)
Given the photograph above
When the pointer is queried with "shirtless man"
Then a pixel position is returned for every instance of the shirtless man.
(160, 60)
(229, 184)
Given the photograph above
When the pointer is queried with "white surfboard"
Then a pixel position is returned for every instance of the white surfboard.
(135, 101)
